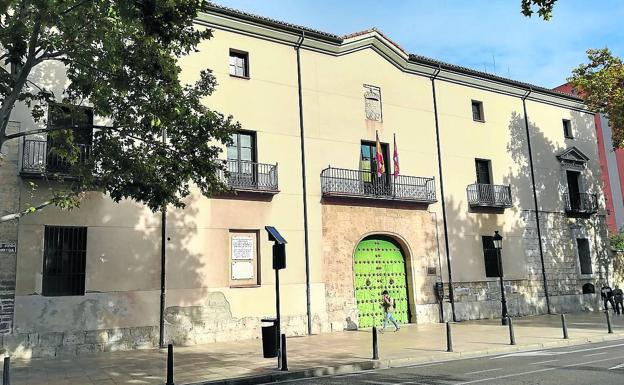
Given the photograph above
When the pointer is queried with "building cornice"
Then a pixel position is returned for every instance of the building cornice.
(223, 18)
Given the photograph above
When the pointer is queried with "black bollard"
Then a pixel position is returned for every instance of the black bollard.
(609, 322)
(564, 327)
(449, 339)
(6, 374)
(284, 362)
(169, 365)
(375, 347)
(512, 337)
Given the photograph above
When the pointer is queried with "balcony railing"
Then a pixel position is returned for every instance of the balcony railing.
(38, 158)
(489, 195)
(250, 176)
(581, 203)
(363, 184)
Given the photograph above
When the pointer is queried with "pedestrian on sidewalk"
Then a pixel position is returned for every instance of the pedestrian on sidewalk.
(607, 297)
(388, 306)
(618, 296)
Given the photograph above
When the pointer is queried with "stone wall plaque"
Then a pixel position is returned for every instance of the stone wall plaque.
(242, 248)
(372, 103)
(242, 270)
(8, 247)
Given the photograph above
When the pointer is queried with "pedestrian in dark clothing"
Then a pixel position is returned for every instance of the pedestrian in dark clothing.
(606, 293)
(618, 297)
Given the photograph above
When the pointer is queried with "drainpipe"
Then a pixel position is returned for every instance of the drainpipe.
(444, 221)
(163, 249)
(304, 185)
(539, 230)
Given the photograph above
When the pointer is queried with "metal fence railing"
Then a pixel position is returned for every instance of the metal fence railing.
(364, 184)
(489, 195)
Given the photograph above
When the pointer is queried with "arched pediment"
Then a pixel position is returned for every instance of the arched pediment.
(573, 157)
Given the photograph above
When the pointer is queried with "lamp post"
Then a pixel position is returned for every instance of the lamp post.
(498, 245)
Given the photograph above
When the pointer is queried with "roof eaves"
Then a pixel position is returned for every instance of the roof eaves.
(485, 75)
(273, 23)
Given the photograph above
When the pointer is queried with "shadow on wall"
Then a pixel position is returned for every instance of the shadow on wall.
(517, 224)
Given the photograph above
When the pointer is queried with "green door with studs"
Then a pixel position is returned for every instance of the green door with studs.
(379, 265)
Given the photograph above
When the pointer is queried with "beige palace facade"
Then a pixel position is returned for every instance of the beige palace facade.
(477, 154)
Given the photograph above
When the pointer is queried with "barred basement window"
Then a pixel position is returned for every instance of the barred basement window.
(490, 256)
(64, 261)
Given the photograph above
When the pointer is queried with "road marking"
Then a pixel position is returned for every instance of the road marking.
(542, 362)
(594, 354)
(538, 371)
(620, 366)
(590, 349)
(483, 371)
(526, 354)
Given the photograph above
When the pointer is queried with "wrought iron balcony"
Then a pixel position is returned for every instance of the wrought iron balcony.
(581, 203)
(39, 159)
(489, 195)
(364, 184)
(250, 176)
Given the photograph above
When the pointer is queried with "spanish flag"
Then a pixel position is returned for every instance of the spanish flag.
(379, 159)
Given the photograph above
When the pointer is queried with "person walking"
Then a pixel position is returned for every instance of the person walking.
(618, 297)
(607, 297)
(388, 306)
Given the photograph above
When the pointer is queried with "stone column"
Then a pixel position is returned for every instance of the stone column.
(9, 203)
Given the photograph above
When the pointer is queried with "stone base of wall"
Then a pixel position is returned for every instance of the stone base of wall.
(67, 344)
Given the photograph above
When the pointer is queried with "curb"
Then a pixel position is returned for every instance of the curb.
(359, 366)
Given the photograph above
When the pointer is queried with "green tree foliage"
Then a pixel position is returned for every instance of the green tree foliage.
(601, 84)
(617, 248)
(544, 8)
(120, 57)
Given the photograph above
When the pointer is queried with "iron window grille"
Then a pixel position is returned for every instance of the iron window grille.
(64, 261)
(489, 195)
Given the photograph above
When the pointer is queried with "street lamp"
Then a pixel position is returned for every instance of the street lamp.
(498, 245)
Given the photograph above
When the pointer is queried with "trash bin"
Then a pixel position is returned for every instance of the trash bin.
(269, 338)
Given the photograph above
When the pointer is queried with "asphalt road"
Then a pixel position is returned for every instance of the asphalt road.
(600, 363)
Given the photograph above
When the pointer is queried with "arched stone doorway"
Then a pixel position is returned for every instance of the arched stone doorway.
(380, 264)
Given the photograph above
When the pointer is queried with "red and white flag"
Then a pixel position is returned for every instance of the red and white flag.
(395, 157)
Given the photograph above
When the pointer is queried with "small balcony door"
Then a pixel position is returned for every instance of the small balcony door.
(80, 120)
(241, 155)
(574, 189)
(484, 180)
(368, 165)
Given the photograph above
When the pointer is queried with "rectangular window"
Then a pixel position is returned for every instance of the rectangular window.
(490, 255)
(64, 261)
(244, 258)
(482, 167)
(239, 63)
(567, 129)
(477, 111)
(584, 255)
(241, 154)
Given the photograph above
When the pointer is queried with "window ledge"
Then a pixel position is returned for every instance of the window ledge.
(240, 77)
(244, 286)
(478, 120)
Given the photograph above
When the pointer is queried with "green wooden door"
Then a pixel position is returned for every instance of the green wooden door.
(379, 265)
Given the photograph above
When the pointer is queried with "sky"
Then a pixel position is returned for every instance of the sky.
(490, 36)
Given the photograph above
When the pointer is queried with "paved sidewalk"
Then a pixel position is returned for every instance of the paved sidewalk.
(326, 353)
